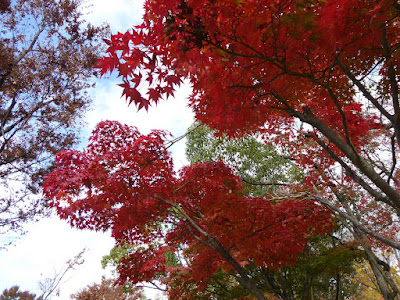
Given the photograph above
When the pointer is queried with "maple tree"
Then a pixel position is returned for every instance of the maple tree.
(254, 162)
(318, 76)
(43, 95)
(124, 182)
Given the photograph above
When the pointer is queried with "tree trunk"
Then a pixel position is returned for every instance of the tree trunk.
(243, 279)
(385, 283)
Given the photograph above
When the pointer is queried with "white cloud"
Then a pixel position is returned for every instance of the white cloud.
(120, 14)
(172, 114)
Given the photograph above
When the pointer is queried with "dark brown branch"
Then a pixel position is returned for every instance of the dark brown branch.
(264, 183)
(394, 159)
(23, 54)
(214, 244)
(393, 83)
(349, 172)
(308, 117)
(364, 91)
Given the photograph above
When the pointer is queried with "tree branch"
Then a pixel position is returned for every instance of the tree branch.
(353, 220)
(364, 90)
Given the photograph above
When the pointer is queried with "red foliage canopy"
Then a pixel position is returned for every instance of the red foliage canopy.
(251, 60)
(124, 181)
(320, 77)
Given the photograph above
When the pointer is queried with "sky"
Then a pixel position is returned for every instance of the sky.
(50, 242)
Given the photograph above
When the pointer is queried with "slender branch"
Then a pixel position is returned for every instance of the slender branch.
(249, 236)
(364, 90)
(8, 114)
(167, 145)
(364, 166)
(353, 220)
(216, 245)
(393, 83)
(264, 183)
(349, 172)
(394, 159)
(23, 54)
(184, 215)
(344, 119)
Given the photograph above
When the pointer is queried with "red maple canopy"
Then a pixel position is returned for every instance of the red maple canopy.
(317, 77)
(124, 181)
(320, 77)
(252, 62)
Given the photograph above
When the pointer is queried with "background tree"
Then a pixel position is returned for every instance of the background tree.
(50, 286)
(14, 293)
(108, 290)
(261, 167)
(318, 76)
(47, 52)
(365, 282)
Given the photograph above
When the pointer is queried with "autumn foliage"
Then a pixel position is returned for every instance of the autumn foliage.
(250, 60)
(271, 66)
(124, 181)
(107, 290)
(265, 65)
(15, 293)
(319, 78)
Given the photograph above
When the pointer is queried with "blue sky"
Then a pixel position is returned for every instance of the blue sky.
(51, 242)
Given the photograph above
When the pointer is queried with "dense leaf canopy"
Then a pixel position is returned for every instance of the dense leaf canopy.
(317, 77)
(124, 181)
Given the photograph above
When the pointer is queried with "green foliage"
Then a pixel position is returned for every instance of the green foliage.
(116, 254)
(326, 268)
(221, 286)
(262, 167)
(172, 260)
